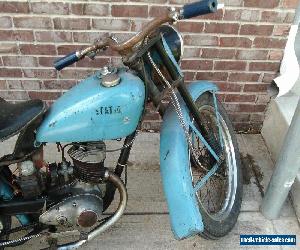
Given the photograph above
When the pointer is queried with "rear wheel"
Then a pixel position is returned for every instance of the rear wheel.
(220, 197)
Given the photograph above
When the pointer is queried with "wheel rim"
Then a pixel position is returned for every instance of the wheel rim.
(217, 195)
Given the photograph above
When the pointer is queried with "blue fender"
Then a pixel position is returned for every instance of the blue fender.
(185, 216)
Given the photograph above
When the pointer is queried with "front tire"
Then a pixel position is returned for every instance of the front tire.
(220, 197)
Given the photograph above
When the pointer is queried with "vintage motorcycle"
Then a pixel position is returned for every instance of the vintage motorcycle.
(199, 156)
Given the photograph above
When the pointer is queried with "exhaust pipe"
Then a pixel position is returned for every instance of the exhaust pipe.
(109, 176)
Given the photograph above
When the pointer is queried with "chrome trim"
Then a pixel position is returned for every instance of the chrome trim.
(107, 224)
(180, 37)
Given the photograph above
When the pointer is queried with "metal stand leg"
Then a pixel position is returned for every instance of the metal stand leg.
(286, 170)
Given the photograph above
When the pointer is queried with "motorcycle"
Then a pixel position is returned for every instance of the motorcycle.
(199, 156)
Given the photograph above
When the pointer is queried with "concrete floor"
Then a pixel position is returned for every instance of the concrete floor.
(145, 224)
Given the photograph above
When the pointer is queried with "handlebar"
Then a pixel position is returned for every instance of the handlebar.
(69, 59)
(199, 8)
(188, 11)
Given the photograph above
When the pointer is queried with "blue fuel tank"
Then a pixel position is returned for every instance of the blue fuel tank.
(91, 112)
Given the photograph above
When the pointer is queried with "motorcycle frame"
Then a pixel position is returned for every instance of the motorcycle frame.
(193, 221)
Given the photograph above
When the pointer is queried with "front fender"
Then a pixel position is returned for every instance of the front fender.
(185, 216)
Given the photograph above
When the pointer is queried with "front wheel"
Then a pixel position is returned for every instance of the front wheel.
(220, 197)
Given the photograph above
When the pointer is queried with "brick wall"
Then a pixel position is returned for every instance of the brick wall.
(239, 48)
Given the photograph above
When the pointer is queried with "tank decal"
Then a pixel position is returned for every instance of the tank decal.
(92, 112)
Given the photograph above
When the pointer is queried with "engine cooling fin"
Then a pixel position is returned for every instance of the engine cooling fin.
(88, 159)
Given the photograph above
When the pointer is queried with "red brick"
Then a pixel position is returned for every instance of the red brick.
(180, 1)
(239, 98)
(223, 28)
(14, 95)
(40, 73)
(47, 61)
(72, 23)
(3, 84)
(31, 49)
(264, 66)
(20, 61)
(138, 25)
(218, 53)
(151, 126)
(77, 73)
(197, 64)
(51, 84)
(262, 42)
(257, 117)
(150, 116)
(201, 40)
(44, 95)
(88, 37)
(229, 86)
(242, 15)
(239, 117)
(234, 2)
(235, 42)
(33, 22)
(129, 11)
(8, 48)
(256, 30)
(67, 84)
(269, 77)
(144, 1)
(57, 8)
(252, 54)
(14, 84)
(16, 35)
(281, 30)
(243, 77)
(191, 27)
(98, 62)
(250, 108)
(189, 76)
(263, 99)
(66, 49)
(277, 16)
(90, 9)
(53, 36)
(5, 22)
(111, 24)
(14, 7)
(248, 128)
(59, 84)
(275, 55)
(260, 87)
(230, 65)
(261, 4)
(232, 15)
(214, 76)
(213, 16)
(191, 52)
(158, 11)
(221, 97)
(10, 72)
(290, 4)
(31, 84)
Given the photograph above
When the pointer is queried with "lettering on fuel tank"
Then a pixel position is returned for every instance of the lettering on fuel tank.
(108, 110)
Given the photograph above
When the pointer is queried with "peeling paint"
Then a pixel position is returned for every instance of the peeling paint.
(52, 124)
(288, 184)
(166, 155)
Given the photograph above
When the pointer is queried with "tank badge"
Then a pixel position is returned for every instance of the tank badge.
(109, 110)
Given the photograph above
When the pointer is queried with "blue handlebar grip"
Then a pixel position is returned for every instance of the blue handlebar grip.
(66, 61)
(199, 8)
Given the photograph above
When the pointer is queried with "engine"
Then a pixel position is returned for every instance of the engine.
(88, 160)
(78, 184)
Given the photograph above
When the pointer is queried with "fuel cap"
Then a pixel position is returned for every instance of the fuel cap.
(110, 80)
